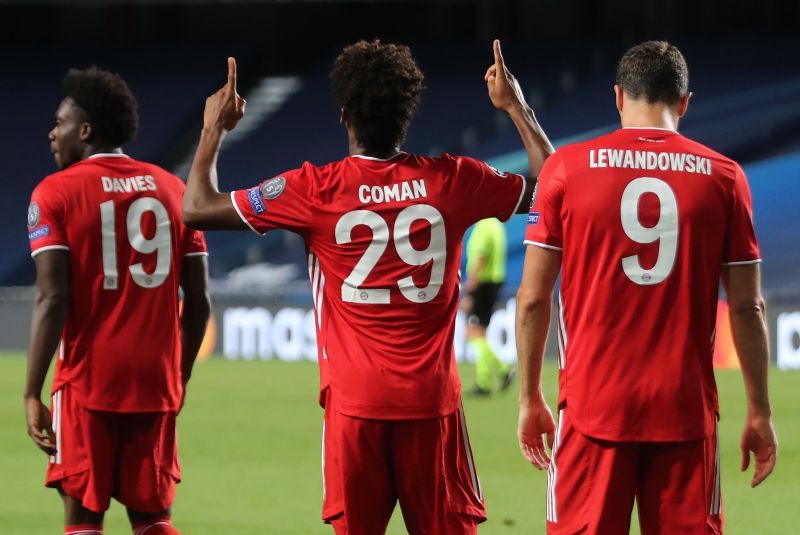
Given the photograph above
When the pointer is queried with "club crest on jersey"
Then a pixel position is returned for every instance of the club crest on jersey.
(272, 188)
(533, 218)
(40, 232)
(34, 214)
(256, 203)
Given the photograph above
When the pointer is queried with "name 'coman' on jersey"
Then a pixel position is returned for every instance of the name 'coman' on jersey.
(384, 249)
(120, 220)
(645, 219)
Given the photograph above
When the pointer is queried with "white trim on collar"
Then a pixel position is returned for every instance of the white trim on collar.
(374, 159)
(108, 155)
(649, 128)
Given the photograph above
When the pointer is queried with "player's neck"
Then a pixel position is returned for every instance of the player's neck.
(357, 149)
(649, 117)
(91, 150)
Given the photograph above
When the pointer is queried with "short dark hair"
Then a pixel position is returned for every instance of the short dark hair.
(655, 71)
(379, 85)
(108, 102)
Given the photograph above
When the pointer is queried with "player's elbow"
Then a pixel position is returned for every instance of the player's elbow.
(754, 306)
(193, 215)
(53, 300)
(197, 304)
(529, 300)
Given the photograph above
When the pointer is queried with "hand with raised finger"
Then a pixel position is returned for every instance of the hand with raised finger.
(504, 90)
(40, 425)
(759, 438)
(224, 108)
(535, 421)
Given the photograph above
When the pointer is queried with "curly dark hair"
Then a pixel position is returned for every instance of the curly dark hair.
(655, 71)
(379, 84)
(108, 102)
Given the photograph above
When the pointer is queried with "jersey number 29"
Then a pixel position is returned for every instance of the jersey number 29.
(435, 252)
(158, 244)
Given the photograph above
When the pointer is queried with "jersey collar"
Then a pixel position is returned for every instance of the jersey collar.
(649, 128)
(372, 158)
(108, 155)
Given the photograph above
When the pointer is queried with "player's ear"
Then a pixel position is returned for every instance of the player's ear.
(85, 132)
(618, 96)
(683, 104)
(343, 119)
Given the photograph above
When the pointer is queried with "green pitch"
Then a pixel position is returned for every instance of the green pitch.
(250, 450)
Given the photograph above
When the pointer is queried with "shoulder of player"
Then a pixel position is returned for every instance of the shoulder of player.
(54, 181)
(728, 166)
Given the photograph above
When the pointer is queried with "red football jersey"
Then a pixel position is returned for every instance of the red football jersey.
(645, 219)
(384, 250)
(120, 220)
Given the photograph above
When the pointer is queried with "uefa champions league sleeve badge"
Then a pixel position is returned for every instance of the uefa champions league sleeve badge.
(272, 188)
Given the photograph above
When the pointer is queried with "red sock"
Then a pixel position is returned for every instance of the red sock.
(84, 529)
(159, 526)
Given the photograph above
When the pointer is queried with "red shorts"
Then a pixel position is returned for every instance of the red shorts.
(132, 457)
(592, 484)
(426, 465)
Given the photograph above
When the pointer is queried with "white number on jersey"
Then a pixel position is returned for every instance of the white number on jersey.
(665, 230)
(158, 244)
(435, 252)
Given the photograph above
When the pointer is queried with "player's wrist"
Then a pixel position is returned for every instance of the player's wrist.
(759, 409)
(533, 400)
(32, 396)
(212, 133)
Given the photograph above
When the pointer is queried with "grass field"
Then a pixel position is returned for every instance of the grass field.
(250, 451)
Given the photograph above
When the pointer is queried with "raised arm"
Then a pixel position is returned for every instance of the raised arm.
(534, 300)
(749, 325)
(47, 323)
(506, 95)
(204, 207)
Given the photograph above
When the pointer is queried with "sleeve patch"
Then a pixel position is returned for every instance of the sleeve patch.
(256, 203)
(40, 232)
(533, 218)
(272, 188)
(34, 214)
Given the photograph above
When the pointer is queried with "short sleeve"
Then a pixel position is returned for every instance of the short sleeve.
(741, 245)
(194, 244)
(46, 218)
(544, 219)
(282, 202)
(486, 192)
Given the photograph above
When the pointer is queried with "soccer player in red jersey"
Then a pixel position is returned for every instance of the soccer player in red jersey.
(383, 229)
(111, 252)
(645, 222)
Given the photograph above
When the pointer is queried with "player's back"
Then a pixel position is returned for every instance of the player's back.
(384, 255)
(120, 219)
(646, 218)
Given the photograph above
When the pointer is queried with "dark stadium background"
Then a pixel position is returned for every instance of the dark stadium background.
(246, 464)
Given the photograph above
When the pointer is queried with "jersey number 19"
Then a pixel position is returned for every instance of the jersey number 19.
(158, 244)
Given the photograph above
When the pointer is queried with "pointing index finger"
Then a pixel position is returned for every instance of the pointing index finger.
(232, 74)
(498, 54)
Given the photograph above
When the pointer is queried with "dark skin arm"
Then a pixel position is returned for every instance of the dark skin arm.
(506, 95)
(196, 310)
(204, 207)
(47, 323)
(534, 301)
(748, 314)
